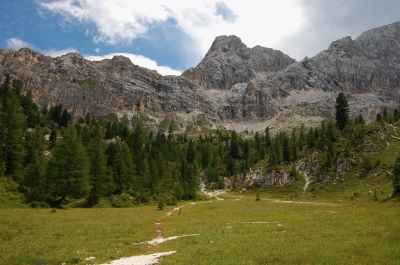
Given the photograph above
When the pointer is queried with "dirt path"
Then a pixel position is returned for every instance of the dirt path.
(308, 181)
(141, 260)
(159, 239)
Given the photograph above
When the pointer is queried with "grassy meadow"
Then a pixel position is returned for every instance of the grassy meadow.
(236, 230)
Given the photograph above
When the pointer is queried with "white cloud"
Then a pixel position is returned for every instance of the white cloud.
(138, 60)
(57, 53)
(122, 21)
(15, 43)
(97, 50)
(87, 32)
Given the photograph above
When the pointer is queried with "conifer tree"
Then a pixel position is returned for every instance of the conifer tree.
(342, 111)
(123, 168)
(311, 138)
(287, 152)
(98, 173)
(12, 128)
(35, 163)
(68, 167)
(396, 175)
(53, 138)
(234, 146)
(191, 152)
(268, 139)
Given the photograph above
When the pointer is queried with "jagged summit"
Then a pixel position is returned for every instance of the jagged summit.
(226, 44)
(229, 61)
(232, 84)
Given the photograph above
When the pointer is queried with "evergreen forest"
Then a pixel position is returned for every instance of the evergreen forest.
(55, 157)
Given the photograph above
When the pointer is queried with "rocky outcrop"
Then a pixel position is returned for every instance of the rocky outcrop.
(229, 62)
(366, 69)
(109, 86)
(232, 84)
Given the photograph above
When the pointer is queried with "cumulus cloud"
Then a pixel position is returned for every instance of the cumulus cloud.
(296, 27)
(15, 43)
(121, 22)
(138, 60)
(57, 53)
(327, 21)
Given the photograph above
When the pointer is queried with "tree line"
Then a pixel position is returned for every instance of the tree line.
(54, 156)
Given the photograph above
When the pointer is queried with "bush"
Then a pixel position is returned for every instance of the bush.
(44, 205)
(161, 204)
(367, 164)
(258, 196)
(34, 204)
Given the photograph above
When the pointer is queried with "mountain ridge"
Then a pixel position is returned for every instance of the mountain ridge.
(232, 84)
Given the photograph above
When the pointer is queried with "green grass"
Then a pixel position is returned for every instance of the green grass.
(36, 236)
(313, 232)
(9, 195)
(109, 117)
(310, 233)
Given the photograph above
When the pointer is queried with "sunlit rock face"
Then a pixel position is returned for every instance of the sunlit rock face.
(232, 84)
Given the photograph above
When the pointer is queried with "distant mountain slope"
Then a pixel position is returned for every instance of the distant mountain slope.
(233, 83)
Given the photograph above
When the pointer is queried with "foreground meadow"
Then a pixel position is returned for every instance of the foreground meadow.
(235, 230)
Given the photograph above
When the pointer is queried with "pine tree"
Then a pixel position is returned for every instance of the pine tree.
(35, 163)
(268, 139)
(12, 128)
(191, 153)
(68, 168)
(342, 111)
(123, 168)
(98, 173)
(64, 119)
(379, 117)
(311, 138)
(53, 138)
(234, 146)
(396, 175)
(287, 152)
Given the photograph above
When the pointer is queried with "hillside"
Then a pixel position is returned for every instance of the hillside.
(49, 159)
(232, 87)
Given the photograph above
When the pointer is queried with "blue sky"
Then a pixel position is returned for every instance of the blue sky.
(173, 35)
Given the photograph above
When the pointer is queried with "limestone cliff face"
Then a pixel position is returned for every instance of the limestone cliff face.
(100, 87)
(366, 69)
(232, 84)
(229, 62)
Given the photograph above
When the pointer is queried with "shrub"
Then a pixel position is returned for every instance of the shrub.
(258, 196)
(34, 204)
(161, 204)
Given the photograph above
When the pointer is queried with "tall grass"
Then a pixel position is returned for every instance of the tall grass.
(237, 230)
(268, 232)
(36, 236)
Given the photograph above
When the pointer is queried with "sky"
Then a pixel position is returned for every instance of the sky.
(170, 36)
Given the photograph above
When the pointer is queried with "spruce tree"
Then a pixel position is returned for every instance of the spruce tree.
(68, 168)
(396, 175)
(342, 111)
(191, 153)
(123, 168)
(12, 127)
(98, 173)
(287, 152)
(35, 163)
(234, 146)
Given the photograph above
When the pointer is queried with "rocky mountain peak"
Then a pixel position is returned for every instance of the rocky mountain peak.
(229, 61)
(232, 84)
(226, 44)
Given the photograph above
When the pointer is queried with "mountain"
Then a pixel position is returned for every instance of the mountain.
(234, 86)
